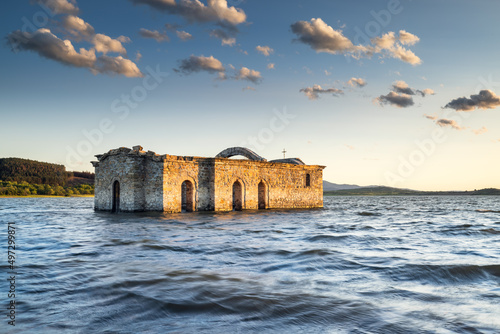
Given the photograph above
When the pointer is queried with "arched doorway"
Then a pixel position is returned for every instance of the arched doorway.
(262, 195)
(116, 197)
(187, 194)
(237, 196)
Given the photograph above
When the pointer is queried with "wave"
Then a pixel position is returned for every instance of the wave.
(445, 274)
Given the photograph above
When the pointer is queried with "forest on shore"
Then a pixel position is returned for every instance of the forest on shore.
(23, 177)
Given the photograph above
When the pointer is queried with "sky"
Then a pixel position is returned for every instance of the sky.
(396, 93)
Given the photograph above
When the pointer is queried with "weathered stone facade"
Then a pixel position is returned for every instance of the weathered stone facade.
(135, 180)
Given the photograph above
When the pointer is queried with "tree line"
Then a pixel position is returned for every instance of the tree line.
(8, 188)
(36, 172)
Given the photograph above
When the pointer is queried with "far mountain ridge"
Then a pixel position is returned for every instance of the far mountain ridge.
(334, 189)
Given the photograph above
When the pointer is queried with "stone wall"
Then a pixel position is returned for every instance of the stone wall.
(128, 170)
(285, 184)
(150, 182)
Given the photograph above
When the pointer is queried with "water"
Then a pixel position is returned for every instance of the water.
(361, 265)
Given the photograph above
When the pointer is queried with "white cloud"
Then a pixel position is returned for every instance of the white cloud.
(313, 92)
(480, 131)
(323, 38)
(399, 100)
(443, 122)
(200, 63)
(427, 91)
(270, 66)
(407, 38)
(60, 6)
(77, 27)
(265, 50)
(117, 65)
(48, 45)
(105, 44)
(358, 82)
(196, 11)
(247, 74)
(154, 34)
(184, 35)
(225, 37)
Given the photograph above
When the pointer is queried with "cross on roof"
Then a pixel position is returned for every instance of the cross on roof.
(284, 151)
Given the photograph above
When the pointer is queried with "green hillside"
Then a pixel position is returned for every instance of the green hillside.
(23, 177)
(19, 170)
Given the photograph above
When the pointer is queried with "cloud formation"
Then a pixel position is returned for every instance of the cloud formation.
(60, 6)
(486, 99)
(196, 11)
(323, 38)
(265, 50)
(402, 87)
(313, 92)
(199, 64)
(356, 82)
(49, 46)
(77, 27)
(399, 100)
(212, 65)
(154, 34)
(443, 122)
(105, 44)
(480, 131)
(270, 66)
(224, 36)
(117, 65)
(247, 74)
(184, 35)
(401, 95)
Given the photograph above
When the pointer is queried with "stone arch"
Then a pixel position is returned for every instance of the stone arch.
(262, 195)
(187, 196)
(188, 186)
(238, 198)
(233, 151)
(115, 207)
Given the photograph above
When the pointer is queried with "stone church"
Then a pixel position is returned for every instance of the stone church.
(134, 180)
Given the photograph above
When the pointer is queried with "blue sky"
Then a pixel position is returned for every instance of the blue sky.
(398, 93)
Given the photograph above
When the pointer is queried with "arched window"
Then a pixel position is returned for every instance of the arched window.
(308, 180)
(187, 194)
(262, 195)
(116, 197)
(237, 196)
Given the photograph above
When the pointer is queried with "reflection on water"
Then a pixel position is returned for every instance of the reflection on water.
(361, 265)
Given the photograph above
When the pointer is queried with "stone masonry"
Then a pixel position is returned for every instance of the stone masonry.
(134, 180)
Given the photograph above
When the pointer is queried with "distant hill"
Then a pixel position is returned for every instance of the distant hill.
(388, 191)
(36, 172)
(329, 186)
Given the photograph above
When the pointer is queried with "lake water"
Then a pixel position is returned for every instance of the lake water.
(360, 265)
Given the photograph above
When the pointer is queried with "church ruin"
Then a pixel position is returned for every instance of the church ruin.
(134, 180)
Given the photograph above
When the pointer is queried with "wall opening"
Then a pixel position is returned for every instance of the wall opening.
(187, 194)
(116, 197)
(308, 180)
(262, 196)
(237, 196)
